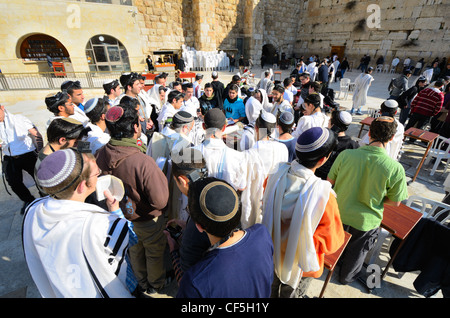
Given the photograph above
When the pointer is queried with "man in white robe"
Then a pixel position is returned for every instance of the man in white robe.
(362, 84)
(170, 108)
(74, 249)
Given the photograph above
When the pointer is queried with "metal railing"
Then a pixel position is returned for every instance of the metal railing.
(50, 81)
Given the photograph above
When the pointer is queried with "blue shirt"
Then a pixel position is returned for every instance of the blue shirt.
(242, 270)
(234, 110)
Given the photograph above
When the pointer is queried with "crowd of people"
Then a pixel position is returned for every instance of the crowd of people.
(228, 190)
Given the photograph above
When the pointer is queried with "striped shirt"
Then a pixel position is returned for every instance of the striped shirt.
(428, 102)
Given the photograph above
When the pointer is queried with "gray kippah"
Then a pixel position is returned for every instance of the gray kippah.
(90, 104)
(287, 118)
(182, 117)
(390, 103)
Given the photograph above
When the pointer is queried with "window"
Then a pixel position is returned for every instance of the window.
(105, 54)
(36, 47)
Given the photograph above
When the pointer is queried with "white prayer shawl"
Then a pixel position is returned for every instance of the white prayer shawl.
(167, 111)
(394, 146)
(251, 197)
(312, 69)
(146, 103)
(224, 162)
(272, 153)
(248, 138)
(15, 136)
(154, 97)
(75, 249)
(306, 122)
(266, 105)
(362, 84)
(191, 105)
(97, 138)
(252, 109)
(293, 205)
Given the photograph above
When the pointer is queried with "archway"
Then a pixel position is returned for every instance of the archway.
(105, 54)
(268, 54)
(36, 47)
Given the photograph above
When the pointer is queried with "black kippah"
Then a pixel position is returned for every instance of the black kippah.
(219, 201)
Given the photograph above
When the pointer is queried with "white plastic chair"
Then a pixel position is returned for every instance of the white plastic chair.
(439, 150)
(379, 68)
(344, 87)
(429, 208)
(386, 68)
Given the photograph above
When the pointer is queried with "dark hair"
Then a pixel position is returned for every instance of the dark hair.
(383, 130)
(310, 159)
(174, 95)
(208, 85)
(219, 229)
(128, 101)
(61, 128)
(53, 102)
(265, 128)
(128, 80)
(70, 86)
(313, 99)
(336, 122)
(124, 127)
(234, 87)
(306, 75)
(285, 128)
(387, 111)
(279, 89)
(109, 86)
(287, 81)
(175, 83)
(315, 85)
(187, 85)
(100, 109)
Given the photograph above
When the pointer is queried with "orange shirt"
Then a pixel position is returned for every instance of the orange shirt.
(329, 235)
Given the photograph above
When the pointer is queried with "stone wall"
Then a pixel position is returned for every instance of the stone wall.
(413, 28)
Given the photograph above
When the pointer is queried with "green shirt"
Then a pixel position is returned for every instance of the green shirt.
(363, 178)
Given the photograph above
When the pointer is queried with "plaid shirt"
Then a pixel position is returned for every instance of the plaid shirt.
(428, 102)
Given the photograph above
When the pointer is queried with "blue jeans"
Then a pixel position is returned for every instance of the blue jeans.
(231, 68)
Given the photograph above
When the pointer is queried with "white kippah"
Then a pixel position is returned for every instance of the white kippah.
(268, 117)
(345, 118)
(90, 104)
(391, 103)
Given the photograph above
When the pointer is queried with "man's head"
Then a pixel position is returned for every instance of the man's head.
(68, 174)
(233, 91)
(209, 90)
(311, 103)
(130, 83)
(382, 129)
(287, 82)
(285, 121)
(214, 121)
(314, 87)
(340, 121)
(199, 78)
(64, 132)
(214, 206)
(407, 72)
(190, 167)
(73, 88)
(96, 108)
(314, 146)
(304, 78)
(389, 108)
(175, 98)
(60, 104)
(265, 124)
(421, 81)
(188, 90)
(177, 86)
(439, 83)
(277, 93)
(369, 70)
(235, 79)
(123, 122)
(214, 75)
(112, 88)
(182, 122)
(266, 74)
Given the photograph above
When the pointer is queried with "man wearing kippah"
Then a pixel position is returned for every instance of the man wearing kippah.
(313, 115)
(301, 213)
(366, 179)
(96, 109)
(124, 157)
(239, 262)
(75, 249)
(389, 108)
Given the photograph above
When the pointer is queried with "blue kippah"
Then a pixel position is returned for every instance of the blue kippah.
(312, 139)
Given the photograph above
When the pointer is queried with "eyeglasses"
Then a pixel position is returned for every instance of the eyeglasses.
(97, 174)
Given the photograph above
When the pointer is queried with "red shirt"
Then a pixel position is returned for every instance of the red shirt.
(428, 102)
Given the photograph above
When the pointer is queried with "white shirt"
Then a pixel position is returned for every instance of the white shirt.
(306, 122)
(14, 135)
(166, 112)
(191, 106)
(288, 96)
(284, 106)
(224, 162)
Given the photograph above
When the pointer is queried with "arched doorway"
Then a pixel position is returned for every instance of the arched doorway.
(105, 54)
(268, 54)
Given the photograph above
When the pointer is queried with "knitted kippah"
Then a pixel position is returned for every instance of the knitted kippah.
(182, 117)
(90, 105)
(114, 114)
(219, 201)
(56, 168)
(287, 118)
(268, 117)
(312, 139)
